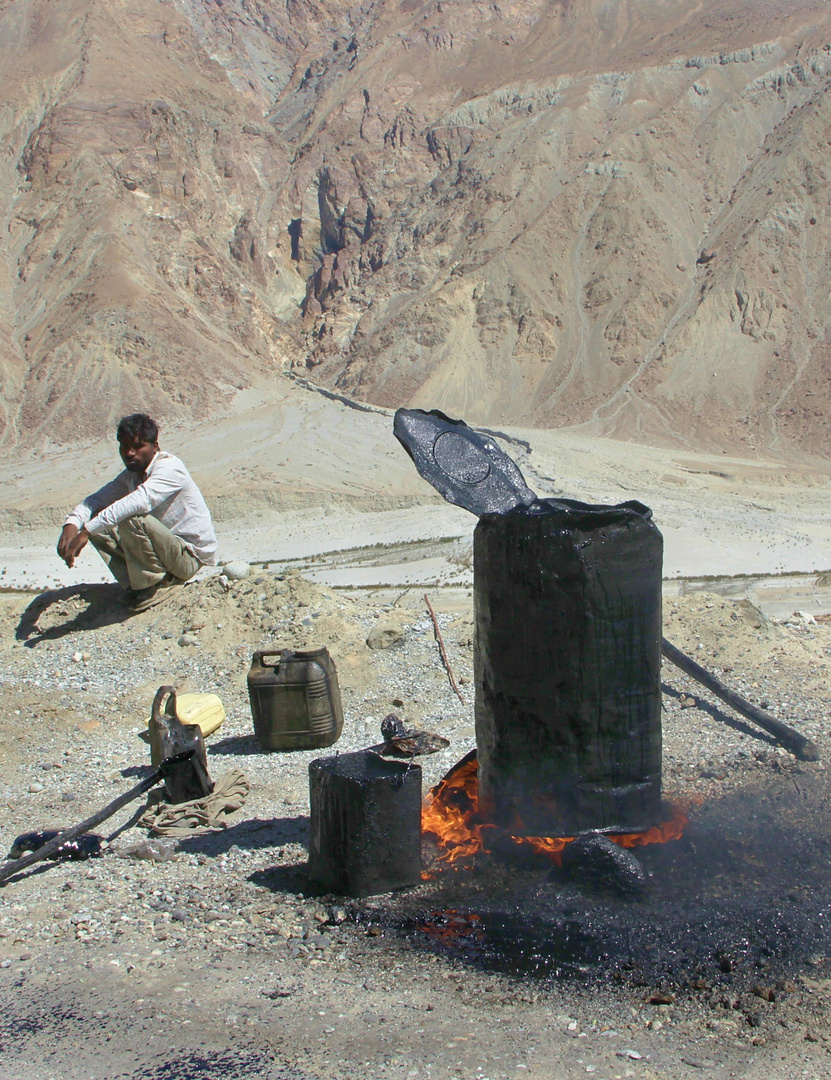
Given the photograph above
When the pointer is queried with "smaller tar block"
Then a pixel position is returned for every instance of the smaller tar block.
(365, 828)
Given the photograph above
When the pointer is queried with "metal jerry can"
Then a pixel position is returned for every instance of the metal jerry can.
(295, 700)
(169, 737)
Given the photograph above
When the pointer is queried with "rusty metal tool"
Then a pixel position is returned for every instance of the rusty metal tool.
(168, 767)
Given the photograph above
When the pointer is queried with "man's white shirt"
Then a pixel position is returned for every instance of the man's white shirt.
(167, 491)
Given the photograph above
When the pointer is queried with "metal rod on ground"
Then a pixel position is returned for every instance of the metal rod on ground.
(442, 649)
(14, 865)
(790, 739)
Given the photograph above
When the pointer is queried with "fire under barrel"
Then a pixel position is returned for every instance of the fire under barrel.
(567, 605)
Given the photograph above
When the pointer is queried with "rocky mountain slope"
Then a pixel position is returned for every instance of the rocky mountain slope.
(542, 213)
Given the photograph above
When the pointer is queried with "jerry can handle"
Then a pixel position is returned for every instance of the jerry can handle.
(156, 711)
(282, 653)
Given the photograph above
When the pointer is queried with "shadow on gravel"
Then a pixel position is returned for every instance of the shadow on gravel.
(236, 744)
(717, 714)
(30, 872)
(55, 613)
(249, 835)
(139, 771)
(285, 879)
(128, 824)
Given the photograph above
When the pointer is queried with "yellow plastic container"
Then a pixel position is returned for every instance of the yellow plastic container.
(206, 710)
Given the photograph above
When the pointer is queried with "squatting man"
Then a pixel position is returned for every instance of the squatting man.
(150, 524)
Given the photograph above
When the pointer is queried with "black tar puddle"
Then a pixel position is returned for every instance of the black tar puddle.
(742, 902)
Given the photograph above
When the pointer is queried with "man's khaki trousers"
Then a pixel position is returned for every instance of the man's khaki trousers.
(140, 551)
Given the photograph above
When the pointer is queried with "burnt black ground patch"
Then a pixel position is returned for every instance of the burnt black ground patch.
(146, 1045)
(224, 1064)
(740, 904)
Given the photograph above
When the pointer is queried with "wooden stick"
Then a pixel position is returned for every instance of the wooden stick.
(13, 865)
(790, 739)
(442, 649)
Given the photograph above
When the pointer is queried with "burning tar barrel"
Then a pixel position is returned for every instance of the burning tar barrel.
(567, 605)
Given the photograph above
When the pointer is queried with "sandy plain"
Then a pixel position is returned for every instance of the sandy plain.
(294, 474)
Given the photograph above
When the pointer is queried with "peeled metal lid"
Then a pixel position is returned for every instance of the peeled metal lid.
(464, 466)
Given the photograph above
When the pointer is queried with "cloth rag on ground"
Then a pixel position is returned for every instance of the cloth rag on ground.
(200, 815)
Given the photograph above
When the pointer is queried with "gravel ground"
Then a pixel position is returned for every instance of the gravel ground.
(221, 960)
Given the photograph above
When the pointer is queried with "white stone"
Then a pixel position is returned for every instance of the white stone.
(236, 571)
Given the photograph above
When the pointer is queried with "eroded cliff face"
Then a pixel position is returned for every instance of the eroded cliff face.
(612, 214)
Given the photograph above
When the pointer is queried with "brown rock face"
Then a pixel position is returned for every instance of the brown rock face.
(612, 214)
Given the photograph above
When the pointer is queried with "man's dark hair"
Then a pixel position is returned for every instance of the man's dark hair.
(139, 427)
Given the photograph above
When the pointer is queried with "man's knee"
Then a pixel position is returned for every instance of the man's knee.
(146, 538)
(144, 530)
(133, 526)
(106, 541)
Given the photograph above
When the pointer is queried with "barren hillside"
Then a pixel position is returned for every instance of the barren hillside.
(543, 213)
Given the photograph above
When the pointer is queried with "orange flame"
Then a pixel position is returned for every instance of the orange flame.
(450, 813)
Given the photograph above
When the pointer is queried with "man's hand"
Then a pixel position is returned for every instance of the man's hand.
(71, 543)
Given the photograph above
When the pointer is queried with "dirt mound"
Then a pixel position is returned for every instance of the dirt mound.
(266, 610)
(734, 636)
